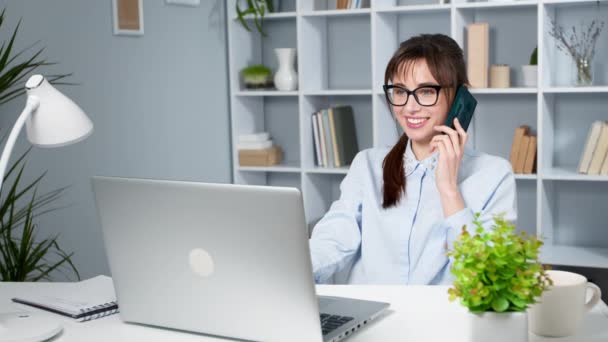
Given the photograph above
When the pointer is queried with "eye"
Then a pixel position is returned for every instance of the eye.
(398, 91)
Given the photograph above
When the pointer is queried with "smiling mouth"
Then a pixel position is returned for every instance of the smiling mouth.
(416, 121)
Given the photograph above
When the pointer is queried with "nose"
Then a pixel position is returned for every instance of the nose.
(412, 105)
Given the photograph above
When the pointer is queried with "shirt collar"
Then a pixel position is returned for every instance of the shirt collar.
(411, 163)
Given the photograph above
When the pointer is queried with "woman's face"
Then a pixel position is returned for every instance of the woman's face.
(418, 121)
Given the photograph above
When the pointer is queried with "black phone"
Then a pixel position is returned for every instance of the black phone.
(462, 108)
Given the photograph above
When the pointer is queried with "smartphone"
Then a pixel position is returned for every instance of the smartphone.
(462, 108)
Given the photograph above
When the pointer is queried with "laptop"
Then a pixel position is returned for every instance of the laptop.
(219, 259)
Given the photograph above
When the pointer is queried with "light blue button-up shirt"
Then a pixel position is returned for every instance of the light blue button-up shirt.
(406, 244)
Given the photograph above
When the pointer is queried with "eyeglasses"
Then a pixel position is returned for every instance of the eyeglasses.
(425, 96)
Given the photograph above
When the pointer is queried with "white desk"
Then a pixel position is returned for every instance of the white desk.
(417, 313)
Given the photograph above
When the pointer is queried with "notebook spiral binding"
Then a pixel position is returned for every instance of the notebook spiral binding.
(97, 311)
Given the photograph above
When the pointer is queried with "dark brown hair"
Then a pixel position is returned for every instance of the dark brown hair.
(445, 61)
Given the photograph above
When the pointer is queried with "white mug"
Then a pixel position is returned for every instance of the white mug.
(563, 305)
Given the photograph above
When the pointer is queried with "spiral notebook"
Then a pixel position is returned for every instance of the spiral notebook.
(85, 300)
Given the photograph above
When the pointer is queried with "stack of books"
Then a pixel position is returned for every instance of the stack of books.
(594, 160)
(335, 136)
(258, 150)
(523, 151)
(351, 4)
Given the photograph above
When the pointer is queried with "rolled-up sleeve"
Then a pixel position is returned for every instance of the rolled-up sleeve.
(337, 237)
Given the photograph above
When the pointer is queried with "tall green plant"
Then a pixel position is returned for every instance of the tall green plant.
(23, 255)
(13, 73)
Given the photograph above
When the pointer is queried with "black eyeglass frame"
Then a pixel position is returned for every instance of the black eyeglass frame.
(387, 87)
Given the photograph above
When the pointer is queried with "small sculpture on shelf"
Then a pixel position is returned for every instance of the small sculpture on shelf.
(580, 46)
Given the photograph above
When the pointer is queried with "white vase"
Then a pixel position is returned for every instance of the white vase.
(530, 78)
(286, 77)
(498, 327)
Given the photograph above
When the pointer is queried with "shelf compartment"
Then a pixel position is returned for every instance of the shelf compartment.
(276, 115)
(567, 119)
(255, 49)
(336, 54)
(497, 117)
(508, 44)
(322, 191)
(362, 110)
(572, 14)
(574, 217)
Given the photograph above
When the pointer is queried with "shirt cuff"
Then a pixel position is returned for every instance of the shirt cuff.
(455, 222)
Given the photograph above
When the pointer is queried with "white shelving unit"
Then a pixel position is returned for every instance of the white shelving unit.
(341, 59)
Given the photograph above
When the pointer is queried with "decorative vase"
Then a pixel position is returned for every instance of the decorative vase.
(498, 327)
(584, 76)
(530, 78)
(286, 77)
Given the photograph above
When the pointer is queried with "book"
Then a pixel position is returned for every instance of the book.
(316, 141)
(600, 151)
(328, 145)
(517, 137)
(322, 139)
(346, 134)
(521, 156)
(590, 144)
(253, 145)
(255, 137)
(477, 54)
(84, 300)
(332, 131)
(530, 162)
(604, 170)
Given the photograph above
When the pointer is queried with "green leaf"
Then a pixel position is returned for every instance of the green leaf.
(500, 304)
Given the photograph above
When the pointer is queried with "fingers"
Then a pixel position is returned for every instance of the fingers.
(443, 143)
(461, 132)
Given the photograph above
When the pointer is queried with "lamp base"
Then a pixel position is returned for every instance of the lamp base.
(27, 327)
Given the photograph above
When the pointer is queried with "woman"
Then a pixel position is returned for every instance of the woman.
(401, 208)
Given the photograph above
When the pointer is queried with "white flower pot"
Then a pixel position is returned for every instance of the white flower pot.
(530, 75)
(498, 327)
(286, 78)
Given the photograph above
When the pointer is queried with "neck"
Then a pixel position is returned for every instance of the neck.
(421, 149)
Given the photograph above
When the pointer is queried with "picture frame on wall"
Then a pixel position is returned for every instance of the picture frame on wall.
(128, 17)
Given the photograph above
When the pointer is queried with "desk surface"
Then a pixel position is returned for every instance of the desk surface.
(417, 313)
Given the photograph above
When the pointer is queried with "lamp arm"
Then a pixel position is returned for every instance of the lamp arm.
(31, 105)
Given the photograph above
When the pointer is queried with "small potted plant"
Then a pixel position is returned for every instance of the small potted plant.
(497, 276)
(257, 76)
(530, 72)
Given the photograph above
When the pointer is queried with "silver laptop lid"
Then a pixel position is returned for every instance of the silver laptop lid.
(220, 259)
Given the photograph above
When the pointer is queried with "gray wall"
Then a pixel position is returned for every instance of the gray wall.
(159, 103)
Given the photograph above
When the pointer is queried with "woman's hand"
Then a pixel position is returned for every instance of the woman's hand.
(451, 149)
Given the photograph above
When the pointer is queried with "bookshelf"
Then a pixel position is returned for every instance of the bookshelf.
(341, 56)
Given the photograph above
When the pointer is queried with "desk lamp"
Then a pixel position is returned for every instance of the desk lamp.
(51, 120)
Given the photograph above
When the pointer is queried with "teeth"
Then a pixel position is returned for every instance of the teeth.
(416, 121)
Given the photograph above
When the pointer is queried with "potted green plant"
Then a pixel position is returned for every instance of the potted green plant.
(530, 71)
(256, 9)
(24, 254)
(497, 276)
(257, 76)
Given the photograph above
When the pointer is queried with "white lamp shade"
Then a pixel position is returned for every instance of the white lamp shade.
(58, 120)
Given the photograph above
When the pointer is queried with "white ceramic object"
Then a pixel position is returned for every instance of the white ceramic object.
(286, 78)
(498, 327)
(530, 75)
(562, 307)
